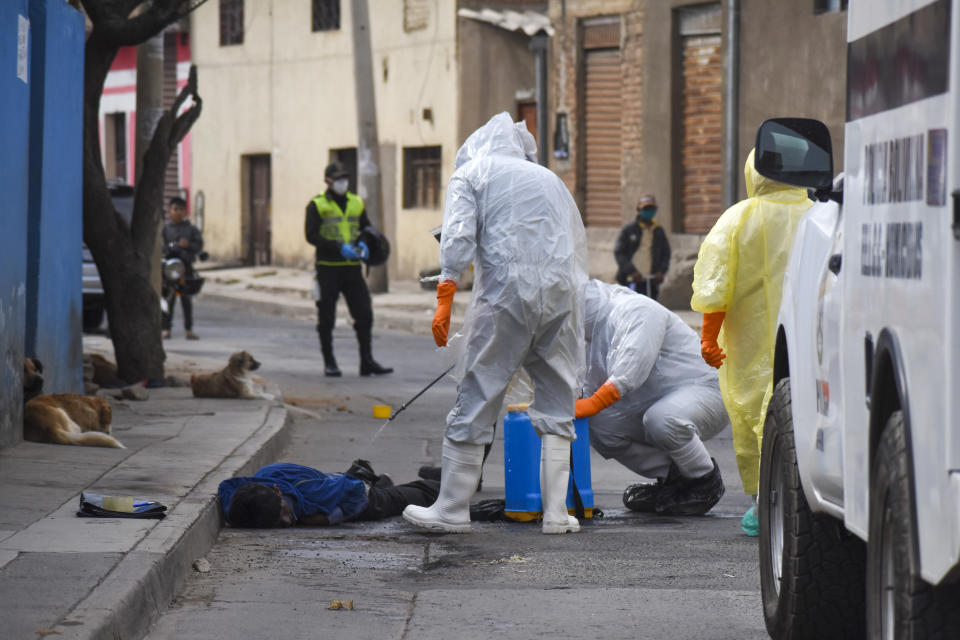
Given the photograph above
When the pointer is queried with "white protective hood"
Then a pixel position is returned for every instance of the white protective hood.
(516, 222)
(645, 349)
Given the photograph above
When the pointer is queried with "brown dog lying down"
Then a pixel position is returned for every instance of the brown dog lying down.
(64, 418)
(233, 381)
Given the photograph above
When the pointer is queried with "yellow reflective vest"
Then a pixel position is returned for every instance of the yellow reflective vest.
(338, 225)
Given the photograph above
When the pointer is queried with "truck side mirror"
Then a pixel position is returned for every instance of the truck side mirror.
(795, 151)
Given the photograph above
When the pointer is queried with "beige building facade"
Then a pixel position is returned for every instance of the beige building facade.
(280, 103)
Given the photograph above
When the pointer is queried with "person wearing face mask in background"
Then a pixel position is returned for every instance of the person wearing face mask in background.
(652, 250)
(334, 221)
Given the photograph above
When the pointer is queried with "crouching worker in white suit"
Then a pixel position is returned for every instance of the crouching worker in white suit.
(654, 400)
(517, 224)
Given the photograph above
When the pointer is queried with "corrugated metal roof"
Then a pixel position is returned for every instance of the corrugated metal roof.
(530, 22)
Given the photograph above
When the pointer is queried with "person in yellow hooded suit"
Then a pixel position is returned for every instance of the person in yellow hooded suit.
(737, 284)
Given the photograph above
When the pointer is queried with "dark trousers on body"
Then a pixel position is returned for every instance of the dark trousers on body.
(166, 321)
(386, 499)
(349, 281)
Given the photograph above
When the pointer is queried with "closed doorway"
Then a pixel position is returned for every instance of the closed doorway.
(257, 209)
(527, 112)
(599, 170)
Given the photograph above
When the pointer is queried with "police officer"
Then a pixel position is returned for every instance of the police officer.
(334, 220)
(645, 235)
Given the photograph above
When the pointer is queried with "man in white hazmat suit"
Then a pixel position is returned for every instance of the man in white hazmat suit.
(518, 225)
(737, 284)
(654, 400)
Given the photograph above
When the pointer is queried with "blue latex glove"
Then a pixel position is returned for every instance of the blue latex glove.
(363, 250)
(349, 252)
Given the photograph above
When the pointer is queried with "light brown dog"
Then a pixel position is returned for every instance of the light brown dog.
(32, 378)
(64, 418)
(233, 381)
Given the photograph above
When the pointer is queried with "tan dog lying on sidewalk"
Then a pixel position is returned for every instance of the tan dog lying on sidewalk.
(233, 381)
(64, 418)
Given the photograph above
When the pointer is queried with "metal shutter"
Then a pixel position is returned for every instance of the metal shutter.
(701, 107)
(603, 87)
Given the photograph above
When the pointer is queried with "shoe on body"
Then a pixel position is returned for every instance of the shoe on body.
(459, 474)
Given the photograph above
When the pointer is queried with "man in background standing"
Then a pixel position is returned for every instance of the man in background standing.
(184, 239)
(645, 238)
(333, 224)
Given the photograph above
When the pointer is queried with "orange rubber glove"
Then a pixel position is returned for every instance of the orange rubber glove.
(712, 354)
(441, 319)
(600, 400)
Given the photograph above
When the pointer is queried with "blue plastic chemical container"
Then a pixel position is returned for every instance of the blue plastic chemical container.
(521, 466)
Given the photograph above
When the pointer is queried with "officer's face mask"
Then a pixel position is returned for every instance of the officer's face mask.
(340, 185)
(646, 214)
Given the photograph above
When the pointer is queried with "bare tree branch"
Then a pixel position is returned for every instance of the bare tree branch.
(117, 24)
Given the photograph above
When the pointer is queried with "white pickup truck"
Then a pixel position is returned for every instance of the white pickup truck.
(859, 499)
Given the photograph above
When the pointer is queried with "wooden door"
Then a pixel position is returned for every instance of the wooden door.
(527, 111)
(600, 171)
(259, 207)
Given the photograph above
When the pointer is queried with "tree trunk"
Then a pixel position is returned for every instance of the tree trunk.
(123, 252)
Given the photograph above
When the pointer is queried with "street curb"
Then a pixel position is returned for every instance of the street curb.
(285, 309)
(140, 587)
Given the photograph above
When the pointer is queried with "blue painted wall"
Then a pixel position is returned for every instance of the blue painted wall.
(14, 126)
(55, 223)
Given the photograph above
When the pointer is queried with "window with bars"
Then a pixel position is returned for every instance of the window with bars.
(326, 15)
(231, 22)
(421, 177)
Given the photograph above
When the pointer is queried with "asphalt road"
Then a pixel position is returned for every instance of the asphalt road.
(625, 575)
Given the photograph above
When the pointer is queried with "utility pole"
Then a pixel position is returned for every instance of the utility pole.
(538, 44)
(368, 145)
(149, 111)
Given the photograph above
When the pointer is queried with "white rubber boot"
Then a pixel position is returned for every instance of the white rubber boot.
(554, 478)
(459, 475)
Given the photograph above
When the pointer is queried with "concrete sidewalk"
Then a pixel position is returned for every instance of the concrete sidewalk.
(75, 577)
(289, 292)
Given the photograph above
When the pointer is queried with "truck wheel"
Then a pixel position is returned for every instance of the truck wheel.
(900, 604)
(811, 569)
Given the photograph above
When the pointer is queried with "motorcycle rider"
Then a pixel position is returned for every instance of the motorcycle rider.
(180, 236)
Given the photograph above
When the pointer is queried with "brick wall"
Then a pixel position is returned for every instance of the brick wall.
(565, 91)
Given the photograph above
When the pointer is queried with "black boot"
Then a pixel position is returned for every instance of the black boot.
(369, 366)
(330, 368)
(691, 496)
(642, 496)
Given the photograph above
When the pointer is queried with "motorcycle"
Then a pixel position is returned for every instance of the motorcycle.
(179, 278)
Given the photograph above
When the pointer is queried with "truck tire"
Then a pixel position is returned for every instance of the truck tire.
(900, 604)
(811, 569)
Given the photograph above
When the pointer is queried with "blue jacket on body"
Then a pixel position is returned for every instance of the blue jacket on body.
(338, 496)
